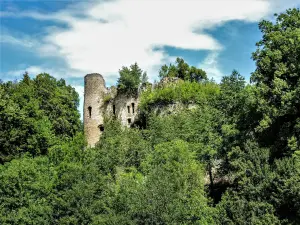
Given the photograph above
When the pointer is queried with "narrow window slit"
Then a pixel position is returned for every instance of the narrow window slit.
(114, 109)
(132, 104)
(90, 111)
(128, 109)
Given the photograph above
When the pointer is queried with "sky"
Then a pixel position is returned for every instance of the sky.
(71, 38)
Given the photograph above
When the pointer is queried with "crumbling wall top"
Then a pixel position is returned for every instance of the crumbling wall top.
(93, 74)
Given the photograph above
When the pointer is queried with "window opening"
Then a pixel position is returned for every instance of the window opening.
(132, 104)
(90, 111)
(101, 127)
(129, 121)
(114, 109)
(128, 109)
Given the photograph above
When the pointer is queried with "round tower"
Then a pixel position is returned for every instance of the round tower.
(94, 90)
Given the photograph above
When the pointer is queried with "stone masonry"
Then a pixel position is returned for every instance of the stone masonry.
(100, 101)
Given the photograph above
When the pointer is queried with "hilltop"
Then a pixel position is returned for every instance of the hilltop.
(193, 152)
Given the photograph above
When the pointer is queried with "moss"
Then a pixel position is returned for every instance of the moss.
(184, 92)
(107, 98)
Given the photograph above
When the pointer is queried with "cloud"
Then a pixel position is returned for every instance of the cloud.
(15, 41)
(133, 29)
(211, 67)
(35, 70)
(18, 74)
(103, 36)
(16, 38)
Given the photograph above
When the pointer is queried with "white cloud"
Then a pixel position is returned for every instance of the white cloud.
(106, 35)
(134, 28)
(103, 36)
(211, 67)
(15, 41)
(17, 74)
(35, 70)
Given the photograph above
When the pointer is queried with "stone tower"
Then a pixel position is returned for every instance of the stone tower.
(94, 91)
(100, 101)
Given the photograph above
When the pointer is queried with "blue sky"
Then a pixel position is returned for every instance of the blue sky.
(69, 39)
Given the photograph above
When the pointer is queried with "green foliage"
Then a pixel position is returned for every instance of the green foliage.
(238, 210)
(130, 79)
(122, 147)
(144, 78)
(285, 189)
(24, 188)
(107, 98)
(35, 115)
(246, 202)
(277, 79)
(199, 127)
(77, 186)
(64, 188)
(251, 170)
(185, 92)
(275, 187)
(183, 71)
(229, 154)
(231, 95)
(60, 103)
(170, 189)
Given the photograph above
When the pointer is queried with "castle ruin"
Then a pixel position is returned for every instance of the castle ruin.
(100, 101)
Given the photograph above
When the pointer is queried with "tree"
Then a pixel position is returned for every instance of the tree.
(183, 71)
(232, 103)
(246, 202)
(144, 78)
(130, 79)
(23, 125)
(169, 189)
(25, 186)
(36, 114)
(284, 189)
(231, 92)
(59, 102)
(277, 80)
(238, 210)
(199, 127)
(269, 192)
(236, 143)
(120, 147)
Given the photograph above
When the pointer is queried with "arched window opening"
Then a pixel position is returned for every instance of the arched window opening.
(90, 111)
(101, 127)
(129, 121)
(128, 109)
(132, 104)
(114, 109)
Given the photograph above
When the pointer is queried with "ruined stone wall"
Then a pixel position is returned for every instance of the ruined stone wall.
(125, 108)
(99, 102)
(94, 92)
(172, 108)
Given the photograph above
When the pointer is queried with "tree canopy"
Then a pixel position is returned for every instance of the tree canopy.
(183, 71)
(131, 78)
(36, 114)
(277, 80)
(207, 152)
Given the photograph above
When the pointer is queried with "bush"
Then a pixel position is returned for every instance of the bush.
(185, 92)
